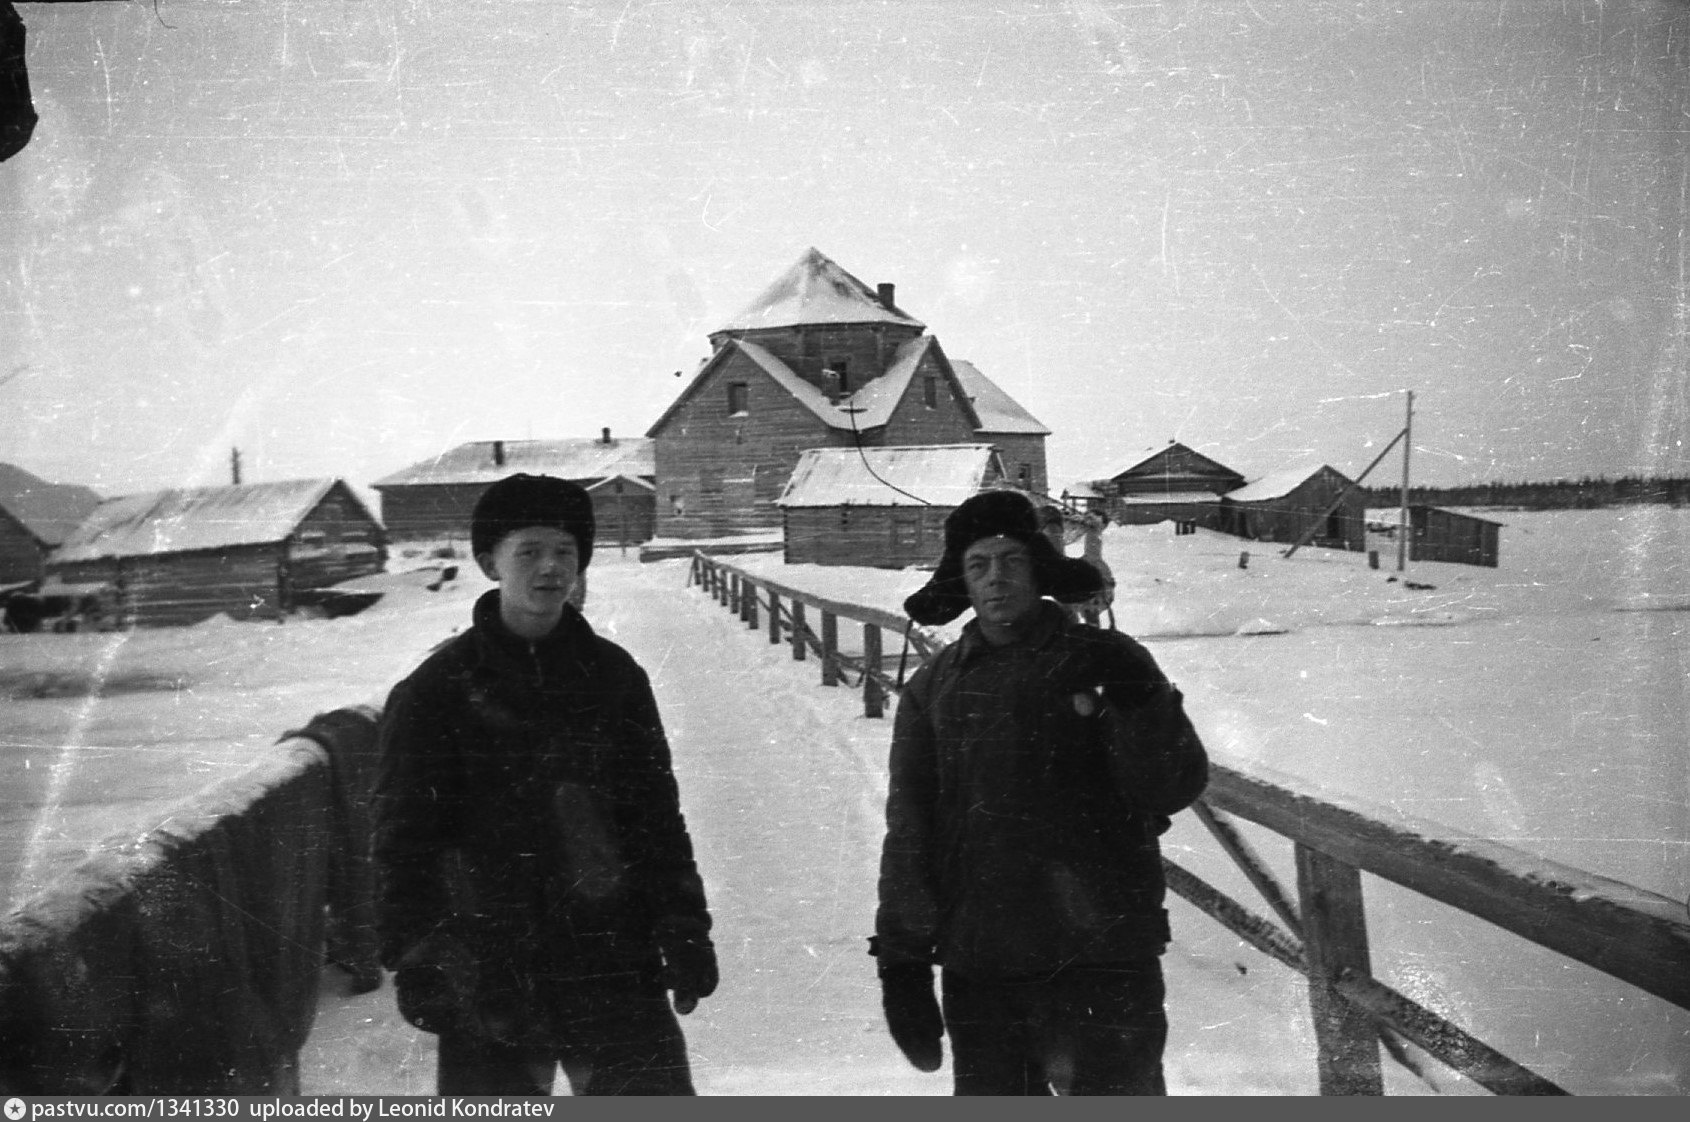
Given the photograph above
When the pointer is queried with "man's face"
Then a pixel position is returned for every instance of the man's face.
(536, 567)
(999, 575)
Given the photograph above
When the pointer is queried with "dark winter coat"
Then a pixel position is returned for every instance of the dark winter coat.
(1029, 784)
(526, 818)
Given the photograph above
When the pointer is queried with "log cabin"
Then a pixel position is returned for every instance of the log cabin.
(880, 507)
(35, 518)
(1285, 505)
(432, 500)
(248, 551)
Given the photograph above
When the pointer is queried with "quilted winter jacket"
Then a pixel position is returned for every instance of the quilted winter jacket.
(525, 807)
(1029, 784)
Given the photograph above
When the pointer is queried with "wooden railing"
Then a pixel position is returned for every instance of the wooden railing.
(1626, 932)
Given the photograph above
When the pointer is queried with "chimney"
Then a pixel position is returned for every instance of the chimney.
(498, 453)
(604, 437)
(885, 288)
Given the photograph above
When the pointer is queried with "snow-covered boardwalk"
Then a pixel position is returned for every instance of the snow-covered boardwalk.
(782, 783)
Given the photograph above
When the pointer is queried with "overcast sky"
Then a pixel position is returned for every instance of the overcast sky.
(344, 235)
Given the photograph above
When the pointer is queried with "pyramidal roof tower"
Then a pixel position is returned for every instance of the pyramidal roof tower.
(816, 291)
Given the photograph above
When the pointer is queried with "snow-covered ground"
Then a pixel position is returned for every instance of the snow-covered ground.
(1544, 703)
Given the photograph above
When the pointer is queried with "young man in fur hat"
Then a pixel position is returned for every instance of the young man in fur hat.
(1034, 764)
(537, 894)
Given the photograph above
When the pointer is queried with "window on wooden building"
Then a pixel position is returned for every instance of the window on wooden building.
(738, 398)
(930, 392)
(840, 368)
(710, 481)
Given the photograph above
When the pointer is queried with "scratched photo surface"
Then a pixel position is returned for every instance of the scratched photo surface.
(1437, 244)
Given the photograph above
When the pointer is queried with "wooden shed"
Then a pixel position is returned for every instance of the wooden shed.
(880, 507)
(1285, 506)
(249, 551)
(1175, 483)
(35, 518)
(1436, 534)
(432, 500)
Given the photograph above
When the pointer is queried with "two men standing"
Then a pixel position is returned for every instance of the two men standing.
(538, 898)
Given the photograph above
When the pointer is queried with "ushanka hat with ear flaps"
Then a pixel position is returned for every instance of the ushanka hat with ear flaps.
(992, 514)
(519, 501)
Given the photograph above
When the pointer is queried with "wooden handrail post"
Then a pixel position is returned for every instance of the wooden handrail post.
(830, 649)
(874, 694)
(774, 617)
(736, 596)
(749, 606)
(1335, 939)
(798, 631)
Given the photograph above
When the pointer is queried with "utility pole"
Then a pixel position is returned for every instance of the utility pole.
(1402, 517)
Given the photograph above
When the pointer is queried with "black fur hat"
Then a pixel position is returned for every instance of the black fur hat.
(522, 500)
(992, 514)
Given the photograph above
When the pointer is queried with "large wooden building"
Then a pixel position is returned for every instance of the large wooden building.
(819, 360)
(1175, 484)
(432, 500)
(248, 551)
(1287, 505)
(35, 518)
(880, 507)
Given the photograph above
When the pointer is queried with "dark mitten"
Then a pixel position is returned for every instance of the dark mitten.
(912, 1013)
(435, 981)
(689, 969)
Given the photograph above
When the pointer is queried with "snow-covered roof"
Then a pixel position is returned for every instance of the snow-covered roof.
(487, 461)
(1276, 484)
(815, 290)
(195, 518)
(900, 475)
(49, 511)
(998, 412)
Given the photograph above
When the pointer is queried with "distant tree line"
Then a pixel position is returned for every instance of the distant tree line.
(1587, 493)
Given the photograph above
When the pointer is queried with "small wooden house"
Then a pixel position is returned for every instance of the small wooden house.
(818, 360)
(249, 551)
(1175, 484)
(35, 518)
(880, 507)
(1285, 506)
(433, 499)
(1436, 534)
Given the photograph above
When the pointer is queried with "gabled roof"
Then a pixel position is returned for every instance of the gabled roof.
(874, 403)
(911, 475)
(815, 290)
(1279, 484)
(581, 458)
(49, 511)
(1158, 463)
(998, 412)
(196, 518)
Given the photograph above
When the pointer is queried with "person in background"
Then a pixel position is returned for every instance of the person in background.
(537, 894)
(1034, 764)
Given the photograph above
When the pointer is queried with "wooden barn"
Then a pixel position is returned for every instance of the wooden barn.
(35, 518)
(432, 500)
(1174, 484)
(1436, 534)
(1286, 505)
(880, 507)
(818, 360)
(250, 551)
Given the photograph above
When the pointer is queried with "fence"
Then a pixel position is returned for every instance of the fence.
(186, 961)
(1627, 932)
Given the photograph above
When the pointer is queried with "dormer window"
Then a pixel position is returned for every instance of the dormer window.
(738, 398)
